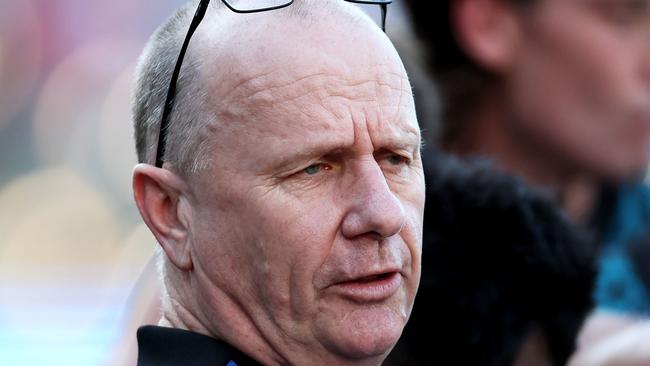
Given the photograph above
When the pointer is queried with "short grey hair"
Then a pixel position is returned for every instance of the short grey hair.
(184, 148)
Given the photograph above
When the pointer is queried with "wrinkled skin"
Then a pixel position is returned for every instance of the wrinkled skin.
(315, 181)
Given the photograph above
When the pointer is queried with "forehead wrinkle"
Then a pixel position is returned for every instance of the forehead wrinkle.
(255, 89)
(403, 126)
(406, 96)
(243, 84)
(278, 121)
(324, 84)
(275, 73)
(283, 90)
(266, 91)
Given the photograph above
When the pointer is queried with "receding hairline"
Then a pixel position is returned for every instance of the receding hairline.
(221, 42)
(187, 148)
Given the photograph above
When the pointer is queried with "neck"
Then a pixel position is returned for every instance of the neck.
(230, 322)
(182, 309)
(489, 133)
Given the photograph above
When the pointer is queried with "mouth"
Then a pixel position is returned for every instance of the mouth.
(370, 288)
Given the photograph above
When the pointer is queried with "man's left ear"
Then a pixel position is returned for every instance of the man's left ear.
(161, 199)
(489, 31)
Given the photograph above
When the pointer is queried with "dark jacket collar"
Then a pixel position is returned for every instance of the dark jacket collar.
(160, 346)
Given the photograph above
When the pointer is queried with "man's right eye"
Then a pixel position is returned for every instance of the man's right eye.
(316, 168)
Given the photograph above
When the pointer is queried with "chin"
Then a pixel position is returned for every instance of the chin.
(366, 333)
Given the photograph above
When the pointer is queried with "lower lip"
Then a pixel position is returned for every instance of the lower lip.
(370, 291)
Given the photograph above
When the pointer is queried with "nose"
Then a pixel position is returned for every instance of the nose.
(374, 209)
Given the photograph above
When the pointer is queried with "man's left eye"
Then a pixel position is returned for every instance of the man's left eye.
(316, 168)
(397, 159)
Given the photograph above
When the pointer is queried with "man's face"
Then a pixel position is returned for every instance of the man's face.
(310, 217)
(581, 82)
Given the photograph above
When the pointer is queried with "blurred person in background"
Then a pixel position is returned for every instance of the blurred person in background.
(288, 199)
(557, 92)
(506, 279)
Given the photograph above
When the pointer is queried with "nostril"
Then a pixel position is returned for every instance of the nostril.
(374, 210)
(372, 220)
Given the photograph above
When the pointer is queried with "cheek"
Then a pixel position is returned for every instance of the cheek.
(264, 248)
(292, 243)
(573, 91)
(412, 231)
(412, 237)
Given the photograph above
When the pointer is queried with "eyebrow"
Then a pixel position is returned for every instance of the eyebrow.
(410, 139)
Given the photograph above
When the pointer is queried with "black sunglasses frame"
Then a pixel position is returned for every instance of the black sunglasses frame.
(196, 20)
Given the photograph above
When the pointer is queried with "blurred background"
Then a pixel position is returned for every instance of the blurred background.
(72, 246)
(71, 243)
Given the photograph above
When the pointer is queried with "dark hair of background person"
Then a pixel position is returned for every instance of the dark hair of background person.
(499, 261)
(459, 79)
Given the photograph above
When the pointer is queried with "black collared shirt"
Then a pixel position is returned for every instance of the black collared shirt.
(160, 346)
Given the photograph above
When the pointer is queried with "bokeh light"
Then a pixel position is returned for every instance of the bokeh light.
(72, 246)
(20, 56)
(115, 134)
(68, 111)
(75, 224)
(59, 244)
